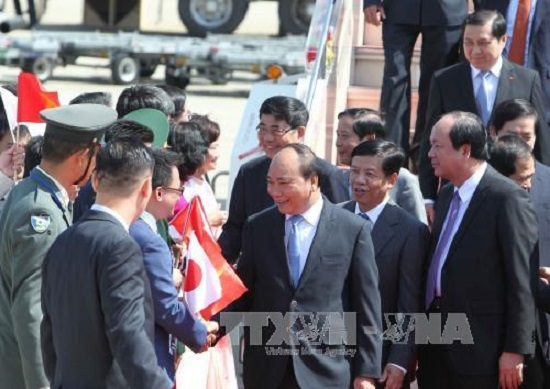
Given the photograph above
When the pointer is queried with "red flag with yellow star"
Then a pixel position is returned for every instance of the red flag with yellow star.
(32, 98)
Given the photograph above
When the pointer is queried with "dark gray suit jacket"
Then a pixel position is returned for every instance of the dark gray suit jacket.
(340, 275)
(487, 273)
(97, 330)
(400, 247)
(539, 58)
(452, 90)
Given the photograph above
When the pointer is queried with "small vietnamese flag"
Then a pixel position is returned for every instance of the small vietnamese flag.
(33, 98)
(210, 282)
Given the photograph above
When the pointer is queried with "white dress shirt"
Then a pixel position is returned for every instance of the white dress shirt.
(491, 81)
(374, 213)
(511, 21)
(150, 221)
(306, 230)
(103, 208)
(465, 192)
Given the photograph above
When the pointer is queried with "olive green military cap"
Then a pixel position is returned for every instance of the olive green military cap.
(79, 123)
(153, 119)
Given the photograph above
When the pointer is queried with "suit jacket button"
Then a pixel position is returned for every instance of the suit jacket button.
(293, 304)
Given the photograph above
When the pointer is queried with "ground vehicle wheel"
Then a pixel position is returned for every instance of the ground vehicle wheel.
(147, 69)
(215, 16)
(42, 67)
(295, 15)
(124, 69)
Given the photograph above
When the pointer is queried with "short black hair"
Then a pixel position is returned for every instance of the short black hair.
(33, 154)
(144, 96)
(186, 139)
(122, 164)
(210, 129)
(58, 150)
(128, 128)
(370, 124)
(179, 98)
(392, 157)
(356, 113)
(513, 109)
(309, 167)
(468, 129)
(103, 98)
(11, 88)
(506, 151)
(291, 110)
(484, 16)
(165, 160)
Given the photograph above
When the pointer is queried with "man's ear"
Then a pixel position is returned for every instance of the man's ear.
(146, 190)
(301, 132)
(392, 179)
(492, 132)
(95, 181)
(314, 182)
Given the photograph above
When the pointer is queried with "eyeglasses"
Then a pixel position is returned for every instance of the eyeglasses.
(176, 190)
(275, 131)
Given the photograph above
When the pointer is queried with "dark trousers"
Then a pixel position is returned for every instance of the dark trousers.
(536, 373)
(439, 49)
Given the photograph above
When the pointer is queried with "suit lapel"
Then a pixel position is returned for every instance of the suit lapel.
(319, 242)
(506, 83)
(279, 249)
(537, 190)
(465, 90)
(350, 206)
(473, 207)
(383, 232)
(444, 202)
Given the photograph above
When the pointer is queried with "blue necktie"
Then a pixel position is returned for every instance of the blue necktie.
(293, 249)
(444, 239)
(482, 98)
(365, 216)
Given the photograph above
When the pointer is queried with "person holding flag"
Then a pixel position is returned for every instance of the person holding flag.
(36, 212)
(172, 318)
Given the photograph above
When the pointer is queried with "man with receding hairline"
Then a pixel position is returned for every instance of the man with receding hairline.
(304, 257)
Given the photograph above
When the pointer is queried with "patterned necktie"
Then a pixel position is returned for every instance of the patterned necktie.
(519, 37)
(482, 98)
(444, 240)
(293, 248)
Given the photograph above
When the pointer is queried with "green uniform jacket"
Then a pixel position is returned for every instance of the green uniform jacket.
(29, 224)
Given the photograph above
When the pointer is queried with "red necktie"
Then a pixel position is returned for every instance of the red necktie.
(519, 39)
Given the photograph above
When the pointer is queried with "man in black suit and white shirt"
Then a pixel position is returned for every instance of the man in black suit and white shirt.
(283, 121)
(97, 329)
(477, 86)
(400, 245)
(483, 238)
(302, 257)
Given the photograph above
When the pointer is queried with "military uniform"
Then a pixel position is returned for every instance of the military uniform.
(36, 212)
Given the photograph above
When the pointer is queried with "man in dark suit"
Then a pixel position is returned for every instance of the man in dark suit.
(403, 21)
(484, 236)
(536, 40)
(400, 245)
(97, 329)
(477, 87)
(283, 121)
(327, 266)
(172, 318)
(518, 118)
(356, 125)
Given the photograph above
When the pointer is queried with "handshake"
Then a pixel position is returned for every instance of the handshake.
(212, 327)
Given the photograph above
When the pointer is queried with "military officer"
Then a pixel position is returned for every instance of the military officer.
(36, 212)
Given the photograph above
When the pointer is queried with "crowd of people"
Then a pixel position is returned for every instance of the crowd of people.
(346, 266)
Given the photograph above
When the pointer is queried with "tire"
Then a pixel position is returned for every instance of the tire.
(41, 67)
(295, 16)
(224, 19)
(218, 76)
(124, 69)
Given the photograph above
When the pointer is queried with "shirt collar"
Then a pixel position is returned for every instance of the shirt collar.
(313, 214)
(467, 189)
(495, 70)
(64, 194)
(374, 213)
(149, 220)
(116, 215)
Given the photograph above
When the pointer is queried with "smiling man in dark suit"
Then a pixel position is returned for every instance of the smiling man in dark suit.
(307, 258)
(483, 238)
(477, 86)
(400, 245)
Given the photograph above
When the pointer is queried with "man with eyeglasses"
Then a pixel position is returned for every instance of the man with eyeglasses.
(477, 86)
(172, 318)
(283, 121)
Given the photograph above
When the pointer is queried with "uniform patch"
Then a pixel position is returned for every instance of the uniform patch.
(40, 223)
